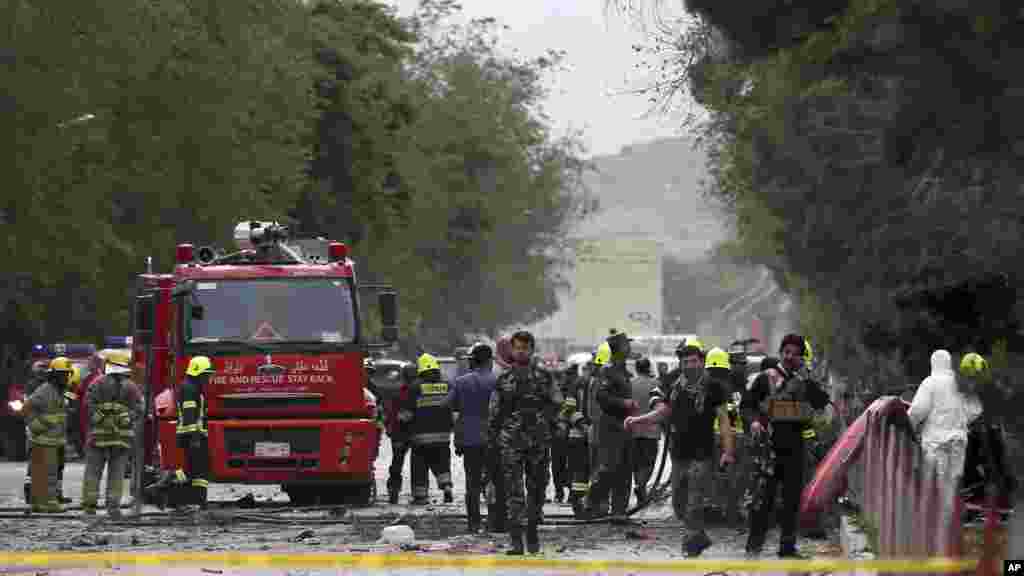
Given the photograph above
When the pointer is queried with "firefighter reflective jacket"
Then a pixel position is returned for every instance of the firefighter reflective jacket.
(734, 418)
(114, 404)
(432, 417)
(191, 409)
(47, 416)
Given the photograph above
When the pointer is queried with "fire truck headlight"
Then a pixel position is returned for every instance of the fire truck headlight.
(16, 405)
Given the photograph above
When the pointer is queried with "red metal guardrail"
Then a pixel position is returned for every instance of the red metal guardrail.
(915, 513)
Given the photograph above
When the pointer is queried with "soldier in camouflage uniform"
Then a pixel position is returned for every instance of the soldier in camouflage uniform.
(522, 413)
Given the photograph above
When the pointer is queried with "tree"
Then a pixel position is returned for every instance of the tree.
(175, 147)
(434, 160)
(816, 110)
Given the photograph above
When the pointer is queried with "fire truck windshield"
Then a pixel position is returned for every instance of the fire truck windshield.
(273, 311)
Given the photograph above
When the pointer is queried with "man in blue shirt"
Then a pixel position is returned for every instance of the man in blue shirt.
(469, 399)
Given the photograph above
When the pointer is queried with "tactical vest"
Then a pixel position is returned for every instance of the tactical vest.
(788, 403)
(526, 406)
(48, 417)
(432, 423)
(111, 422)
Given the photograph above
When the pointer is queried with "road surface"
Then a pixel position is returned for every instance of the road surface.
(653, 535)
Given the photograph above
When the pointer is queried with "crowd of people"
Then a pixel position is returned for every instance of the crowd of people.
(595, 428)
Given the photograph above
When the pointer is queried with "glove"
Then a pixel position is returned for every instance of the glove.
(458, 450)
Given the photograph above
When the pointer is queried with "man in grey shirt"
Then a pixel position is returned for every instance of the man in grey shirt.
(645, 436)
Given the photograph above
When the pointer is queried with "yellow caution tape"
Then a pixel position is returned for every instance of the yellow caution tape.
(247, 559)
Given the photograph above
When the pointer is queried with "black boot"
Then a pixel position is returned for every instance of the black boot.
(532, 538)
(515, 533)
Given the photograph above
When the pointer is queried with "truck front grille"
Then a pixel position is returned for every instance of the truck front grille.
(243, 440)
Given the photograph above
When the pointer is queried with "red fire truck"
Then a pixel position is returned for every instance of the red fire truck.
(284, 329)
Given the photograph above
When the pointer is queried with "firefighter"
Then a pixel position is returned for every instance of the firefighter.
(191, 431)
(521, 414)
(36, 379)
(593, 413)
(398, 423)
(577, 448)
(782, 400)
(560, 472)
(47, 421)
(734, 485)
(431, 431)
(817, 449)
(114, 405)
(74, 395)
(614, 469)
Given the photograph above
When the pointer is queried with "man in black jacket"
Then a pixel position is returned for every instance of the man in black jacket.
(780, 404)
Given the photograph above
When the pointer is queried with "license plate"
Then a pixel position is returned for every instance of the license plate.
(272, 449)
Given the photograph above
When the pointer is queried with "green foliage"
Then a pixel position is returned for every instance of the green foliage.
(867, 168)
(415, 140)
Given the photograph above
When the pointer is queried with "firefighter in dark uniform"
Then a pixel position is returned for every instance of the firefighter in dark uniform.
(614, 466)
(579, 457)
(521, 415)
(782, 402)
(398, 422)
(560, 471)
(593, 413)
(191, 430)
(431, 433)
(577, 446)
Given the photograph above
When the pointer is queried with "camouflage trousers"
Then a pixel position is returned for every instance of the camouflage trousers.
(532, 464)
(772, 469)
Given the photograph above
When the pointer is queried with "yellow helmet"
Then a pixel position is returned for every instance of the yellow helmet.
(199, 365)
(118, 362)
(123, 359)
(60, 364)
(690, 343)
(973, 365)
(717, 358)
(604, 354)
(76, 378)
(425, 363)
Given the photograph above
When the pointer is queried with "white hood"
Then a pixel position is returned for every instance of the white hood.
(942, 363)
(938, 406)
